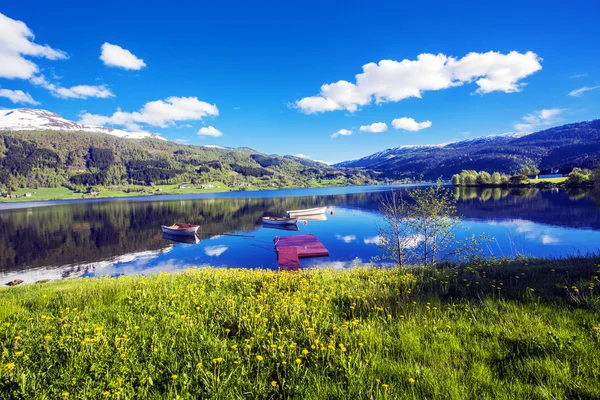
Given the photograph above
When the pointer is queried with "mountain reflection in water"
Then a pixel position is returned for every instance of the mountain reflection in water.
(124, 237)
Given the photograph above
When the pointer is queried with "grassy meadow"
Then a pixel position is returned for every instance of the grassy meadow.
(503, 329)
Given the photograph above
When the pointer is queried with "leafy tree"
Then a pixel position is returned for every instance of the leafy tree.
(496, 178)
(456, 180)
(393, 238)
(577, 177)
(484, 178)
(423, 229)
(518, 179)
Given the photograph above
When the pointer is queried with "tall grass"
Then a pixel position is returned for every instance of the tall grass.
(520, 329)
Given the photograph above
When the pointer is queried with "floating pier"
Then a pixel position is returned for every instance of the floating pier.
(291, 248)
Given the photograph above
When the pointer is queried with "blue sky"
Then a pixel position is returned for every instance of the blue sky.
(260, 67)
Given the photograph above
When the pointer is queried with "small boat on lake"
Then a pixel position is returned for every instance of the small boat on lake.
(180, 229)
(307, 211)
(280, 221)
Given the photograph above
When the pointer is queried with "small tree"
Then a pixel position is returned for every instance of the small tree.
(577, 177)
(392, 234)
(456, 181)
(423, 230)
(484, 178)
(518, 179)
(496, 178)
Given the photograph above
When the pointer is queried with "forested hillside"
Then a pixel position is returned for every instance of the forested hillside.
(563, 148)
(37, 159)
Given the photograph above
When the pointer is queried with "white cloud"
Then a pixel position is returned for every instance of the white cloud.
(373, 240)
(156, 113)
(16, 42)
(346, 239)
(301, 155)
(392, 81)
(579, 92)
(539, 119)
(116, 56)
(342, 132)
(215, 251)
(409, 124)
(578, 75)
(209, 131)
(375, 127)
(181, 141)
(547, 239)
(74, 92)
(18, 96)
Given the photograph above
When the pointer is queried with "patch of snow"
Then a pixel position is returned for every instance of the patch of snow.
(29, 119)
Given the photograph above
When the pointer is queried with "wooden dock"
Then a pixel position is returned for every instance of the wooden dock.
(291, 248)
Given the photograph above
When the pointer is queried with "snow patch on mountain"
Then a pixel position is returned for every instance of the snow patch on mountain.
(28, 119)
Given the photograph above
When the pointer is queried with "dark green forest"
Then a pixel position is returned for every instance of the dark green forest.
(45, 159)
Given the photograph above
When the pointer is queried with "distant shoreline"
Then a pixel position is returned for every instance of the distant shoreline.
(12, 205)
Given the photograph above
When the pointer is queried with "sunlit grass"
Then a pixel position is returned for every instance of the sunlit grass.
(523, 329)
(549, 180)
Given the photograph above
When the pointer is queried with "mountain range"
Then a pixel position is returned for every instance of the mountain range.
(562, 147)
(41, 149)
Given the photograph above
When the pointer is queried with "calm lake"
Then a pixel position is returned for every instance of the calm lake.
(123, 236)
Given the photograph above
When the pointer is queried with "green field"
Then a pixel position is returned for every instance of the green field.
(521, 329)
(550, 180)
(62, 193)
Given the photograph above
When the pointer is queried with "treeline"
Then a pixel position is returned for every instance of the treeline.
(82, 160)
(577, 177)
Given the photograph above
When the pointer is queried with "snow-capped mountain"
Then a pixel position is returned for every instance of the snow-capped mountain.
(560, 147)
(27, 119)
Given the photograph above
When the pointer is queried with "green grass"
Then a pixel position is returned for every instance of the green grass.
(174, 189)
(528, 329)
(44, 194)
(549, 180)
(62, 193)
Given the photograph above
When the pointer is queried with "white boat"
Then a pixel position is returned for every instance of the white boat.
(307, 211)
(280, 221)
(180, 229)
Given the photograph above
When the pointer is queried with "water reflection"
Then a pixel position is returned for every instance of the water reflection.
(124, 236)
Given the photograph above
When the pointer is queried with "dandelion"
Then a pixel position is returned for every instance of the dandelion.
(411, 380)
(305, 352)
(259, 358)
(65, 394)
(174, 377)
(274, 384)
(10, 366)
(298, 361)
(218, 360)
